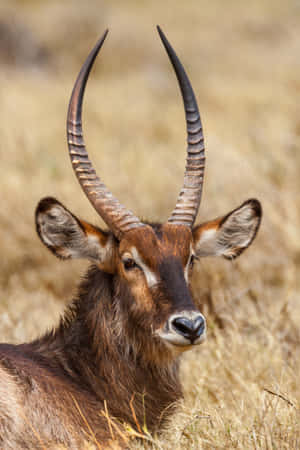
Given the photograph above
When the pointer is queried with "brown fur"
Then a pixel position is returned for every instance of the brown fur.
(102, 351)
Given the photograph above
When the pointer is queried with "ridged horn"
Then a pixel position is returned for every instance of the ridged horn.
(188, 201)
(116, 216)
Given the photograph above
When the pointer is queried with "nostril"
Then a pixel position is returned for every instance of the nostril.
(183, 325)
(199, 325)
(189, 328)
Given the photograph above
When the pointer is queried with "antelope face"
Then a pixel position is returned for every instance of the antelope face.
(152, 264)
(156, 264)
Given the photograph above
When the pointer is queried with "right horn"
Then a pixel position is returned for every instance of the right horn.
(188, 201)
(117, 217)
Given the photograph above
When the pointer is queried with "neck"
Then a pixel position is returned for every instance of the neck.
(97, 346)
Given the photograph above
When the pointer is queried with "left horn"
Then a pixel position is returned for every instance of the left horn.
(188, 201)
(117, 217)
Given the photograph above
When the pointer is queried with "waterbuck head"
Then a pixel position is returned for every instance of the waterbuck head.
(150, 265)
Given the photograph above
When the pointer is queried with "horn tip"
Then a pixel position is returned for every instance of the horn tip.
(101, 41)
(164, 40)
(103, 37)
(160, 32)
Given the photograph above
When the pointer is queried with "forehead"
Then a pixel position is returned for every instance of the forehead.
(158, 241)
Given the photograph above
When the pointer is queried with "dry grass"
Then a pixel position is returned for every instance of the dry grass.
(241, 387)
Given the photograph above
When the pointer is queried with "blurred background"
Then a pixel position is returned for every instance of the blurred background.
(243, 61)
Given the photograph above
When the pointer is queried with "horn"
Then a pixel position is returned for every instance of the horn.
(117, 217)
(188, 201)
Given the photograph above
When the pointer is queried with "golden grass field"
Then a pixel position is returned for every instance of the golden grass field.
(242, 386)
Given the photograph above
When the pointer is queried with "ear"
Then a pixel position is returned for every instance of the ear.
(230, 235)
(67, 237)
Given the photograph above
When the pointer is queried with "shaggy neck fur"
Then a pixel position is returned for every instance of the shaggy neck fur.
(99, 346)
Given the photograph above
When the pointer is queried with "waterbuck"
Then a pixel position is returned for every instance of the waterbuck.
(114, 357)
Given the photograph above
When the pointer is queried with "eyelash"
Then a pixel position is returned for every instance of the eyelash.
(192, 260)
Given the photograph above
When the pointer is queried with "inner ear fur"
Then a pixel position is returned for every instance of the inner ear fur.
(229, 235)
(68, 237)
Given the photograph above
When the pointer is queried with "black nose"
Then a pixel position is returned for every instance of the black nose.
(189, 328)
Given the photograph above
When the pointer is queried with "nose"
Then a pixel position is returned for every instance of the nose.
(190, 328)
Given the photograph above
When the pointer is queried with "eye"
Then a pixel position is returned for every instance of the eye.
(129, 263)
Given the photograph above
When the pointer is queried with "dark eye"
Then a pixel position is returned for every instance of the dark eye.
(129, 263)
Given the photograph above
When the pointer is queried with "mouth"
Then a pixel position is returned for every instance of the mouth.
(180, 341)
